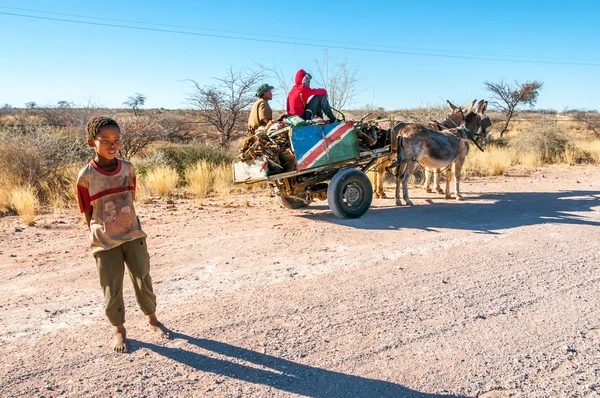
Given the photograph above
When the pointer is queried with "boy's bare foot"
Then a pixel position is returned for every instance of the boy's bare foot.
(158, 327)
(120, 339)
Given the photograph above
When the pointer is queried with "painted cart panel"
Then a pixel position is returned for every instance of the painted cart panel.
(316, 146)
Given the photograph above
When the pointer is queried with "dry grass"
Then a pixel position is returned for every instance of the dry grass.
(223, 182)
(529, 160)
(5, 194)
(162, 180)
(60, 191)
(47, 158)
(591, 149)
(546, 142)
(206, 177)
(143, 194)
(494, 161)
(200, 178)
(24, 199)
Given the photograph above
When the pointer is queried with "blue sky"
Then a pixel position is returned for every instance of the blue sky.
(466, 43)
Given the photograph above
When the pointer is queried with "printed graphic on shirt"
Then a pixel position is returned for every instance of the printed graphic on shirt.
(109, 198)
(118, 216)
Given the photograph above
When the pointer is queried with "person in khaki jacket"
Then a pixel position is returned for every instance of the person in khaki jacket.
(261, 113)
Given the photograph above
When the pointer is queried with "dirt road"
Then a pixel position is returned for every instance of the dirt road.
(494, 296)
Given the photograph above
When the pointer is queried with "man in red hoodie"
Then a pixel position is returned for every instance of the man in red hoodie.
(308, 102)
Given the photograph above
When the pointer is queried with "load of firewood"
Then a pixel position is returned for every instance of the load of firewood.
(268, 144)
(371, 133)
(273, 143)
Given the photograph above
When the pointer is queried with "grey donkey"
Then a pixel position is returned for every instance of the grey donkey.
(446, 149)
(454, 119)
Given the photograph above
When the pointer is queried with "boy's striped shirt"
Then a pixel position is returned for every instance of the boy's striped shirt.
(109, 197)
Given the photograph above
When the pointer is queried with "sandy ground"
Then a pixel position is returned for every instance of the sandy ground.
(494, 296)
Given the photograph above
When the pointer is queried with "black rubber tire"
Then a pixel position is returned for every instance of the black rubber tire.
(290, 203)
(350, 193)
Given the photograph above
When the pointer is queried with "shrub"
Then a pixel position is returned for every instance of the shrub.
(423, 115)
(162, 180)
(138, 133)
(543, 141)
(182, 157)
(43, 158)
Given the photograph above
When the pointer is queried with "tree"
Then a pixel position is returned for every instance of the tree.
(6, 109)
(283, 83)
(135, 101)
(31, 105)
(59, 114)
(64, 104)
(508, 97)
(138, 134)
(222, 104)
(340, 81)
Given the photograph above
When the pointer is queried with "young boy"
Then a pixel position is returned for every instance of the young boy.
(105, 192)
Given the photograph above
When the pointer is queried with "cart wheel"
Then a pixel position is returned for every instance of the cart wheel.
(350, 193)
(291, 203)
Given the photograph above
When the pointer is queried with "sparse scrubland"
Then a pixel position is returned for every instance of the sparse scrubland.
(176, 154)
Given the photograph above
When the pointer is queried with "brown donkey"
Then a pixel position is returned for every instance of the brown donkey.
(438, 150)
(454, 119)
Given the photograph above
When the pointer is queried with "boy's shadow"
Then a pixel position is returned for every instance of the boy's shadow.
(281, 374)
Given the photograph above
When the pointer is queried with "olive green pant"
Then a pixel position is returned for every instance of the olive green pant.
(111, 270)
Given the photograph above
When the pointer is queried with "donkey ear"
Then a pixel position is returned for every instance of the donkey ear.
(484, 107)
(480, 105)
(469, 107)
(452, 106)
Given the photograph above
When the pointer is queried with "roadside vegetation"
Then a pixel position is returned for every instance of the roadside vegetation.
(178, 154)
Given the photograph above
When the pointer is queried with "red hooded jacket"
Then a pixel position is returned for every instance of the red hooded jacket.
(300, 94)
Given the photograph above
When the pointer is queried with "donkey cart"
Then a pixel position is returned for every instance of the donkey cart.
(316, 161)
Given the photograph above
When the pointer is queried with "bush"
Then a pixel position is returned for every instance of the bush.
(182, 157)
(423, 115)
(544, 141)
(138, 133)
(43, 158)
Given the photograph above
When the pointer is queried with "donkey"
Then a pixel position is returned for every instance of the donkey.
(455, 119)
(446, 149)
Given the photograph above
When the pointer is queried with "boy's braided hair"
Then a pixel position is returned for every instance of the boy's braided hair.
(95, 124)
